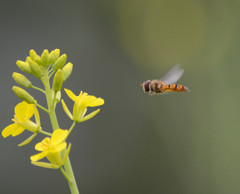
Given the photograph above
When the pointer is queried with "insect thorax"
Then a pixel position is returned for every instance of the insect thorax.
(156, 86)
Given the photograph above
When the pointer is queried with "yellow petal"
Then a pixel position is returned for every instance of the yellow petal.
(71, 94)
(43, 144)
(18, 131)
(58, 136)
(97, 102)
(88, 99)
(65, 108)
(9, 130)
(61, 146)
(24, 111)
(39, 156)
(91, 101)
(30, 110)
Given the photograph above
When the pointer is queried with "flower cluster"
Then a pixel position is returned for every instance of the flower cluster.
(53, 147)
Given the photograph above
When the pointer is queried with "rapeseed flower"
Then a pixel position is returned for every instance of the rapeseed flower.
(81, 102)
(51, 148)
(23, 114)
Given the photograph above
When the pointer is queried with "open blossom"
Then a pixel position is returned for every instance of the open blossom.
(23, 114)
(51, 148)
(81, 102)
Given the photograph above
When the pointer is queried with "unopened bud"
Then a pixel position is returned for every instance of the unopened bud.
(53, 56)
(35, 69)
(35, 57)
(23, 95)
(45, 58)
(24, 66)
(58, 81)
(60, 62)
(67, 70)
(21, 80)
(58, 96)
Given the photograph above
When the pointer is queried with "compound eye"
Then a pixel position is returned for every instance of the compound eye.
(146, 85)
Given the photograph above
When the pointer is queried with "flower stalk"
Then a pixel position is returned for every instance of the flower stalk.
(53, 118)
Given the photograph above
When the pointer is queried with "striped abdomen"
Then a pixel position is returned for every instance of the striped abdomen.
(175, 88)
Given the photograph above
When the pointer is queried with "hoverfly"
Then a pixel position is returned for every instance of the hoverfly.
(166, 83)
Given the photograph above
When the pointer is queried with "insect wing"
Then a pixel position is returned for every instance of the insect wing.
(173, 75)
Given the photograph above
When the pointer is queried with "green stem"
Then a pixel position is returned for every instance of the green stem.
(51, 110)
(37, 88)
(41, 107)
(44, 132)
(65, 174)
(54, 122)
(51, 74)
(68, 168)
(71, 128)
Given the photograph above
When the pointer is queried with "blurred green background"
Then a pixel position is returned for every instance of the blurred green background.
(180, 143)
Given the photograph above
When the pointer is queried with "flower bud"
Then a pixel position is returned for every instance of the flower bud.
(21, 80)
(35, 69)
(67, 70)
(24, 66)
(58, 81)
(53, 56)
(60, 62)
(58, 96)
(45, 58)
(35, 57)
(23, 95)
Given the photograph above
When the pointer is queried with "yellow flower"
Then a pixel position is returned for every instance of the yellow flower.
(51, 148)
(80, 106)
(23, 113)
